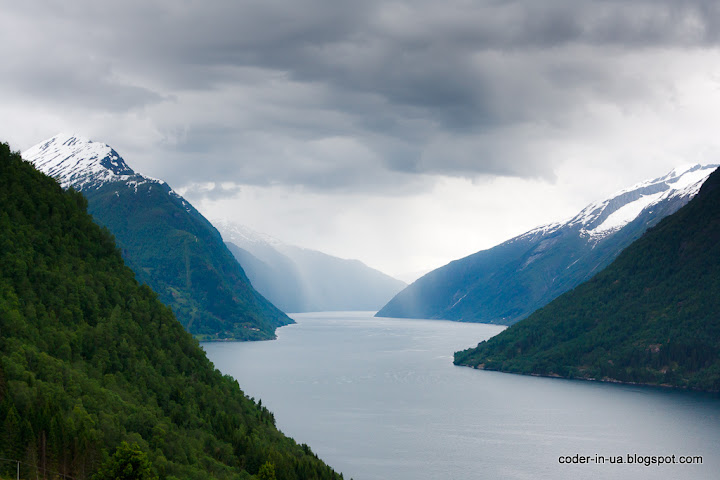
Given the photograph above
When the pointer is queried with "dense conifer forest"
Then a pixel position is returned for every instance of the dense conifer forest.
(94, 368)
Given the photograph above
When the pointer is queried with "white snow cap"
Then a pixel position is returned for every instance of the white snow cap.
(626, 205)
(603, 218)
(78, 162)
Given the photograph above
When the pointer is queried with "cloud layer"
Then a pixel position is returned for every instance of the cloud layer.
(315, 93)
(365, 98)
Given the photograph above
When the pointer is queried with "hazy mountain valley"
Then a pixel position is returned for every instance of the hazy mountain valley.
(302, 280)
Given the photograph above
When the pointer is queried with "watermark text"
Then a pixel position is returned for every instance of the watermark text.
(631, 459)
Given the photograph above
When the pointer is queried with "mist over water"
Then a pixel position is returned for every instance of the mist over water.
(379, 398)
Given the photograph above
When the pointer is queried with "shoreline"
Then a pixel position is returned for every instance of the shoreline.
(592, 379)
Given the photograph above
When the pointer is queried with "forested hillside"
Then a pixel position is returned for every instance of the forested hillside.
(180, 255)
(89, 358)
(652, 316)
(169, 245)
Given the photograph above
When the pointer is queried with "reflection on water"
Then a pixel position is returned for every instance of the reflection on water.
(380, 399)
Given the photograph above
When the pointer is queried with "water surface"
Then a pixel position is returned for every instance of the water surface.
(379, 398)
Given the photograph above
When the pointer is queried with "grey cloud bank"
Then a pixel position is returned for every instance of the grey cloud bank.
(347, 101)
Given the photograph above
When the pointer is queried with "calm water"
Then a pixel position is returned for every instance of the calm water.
(380, 399)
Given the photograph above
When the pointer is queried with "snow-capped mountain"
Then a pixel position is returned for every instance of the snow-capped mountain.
(302, 280)
(80, 163)
(74, 161)
(508, 282)
(164, 239)
(649, 317)
(600, 219)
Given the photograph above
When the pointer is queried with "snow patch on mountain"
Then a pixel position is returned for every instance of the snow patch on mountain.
(76, 161)
(603, 218)
(80, 163)
(624, 215)
(681, 182)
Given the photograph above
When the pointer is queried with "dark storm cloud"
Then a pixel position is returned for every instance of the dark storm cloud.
(325, 93)
(92, 92)
(53, 58)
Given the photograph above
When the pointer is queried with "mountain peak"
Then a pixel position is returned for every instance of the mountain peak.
(77, 162)
(621, 208)
(605, 217)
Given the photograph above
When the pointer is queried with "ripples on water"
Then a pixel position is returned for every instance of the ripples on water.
(380, 399)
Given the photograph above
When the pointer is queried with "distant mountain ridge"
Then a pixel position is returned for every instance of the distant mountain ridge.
(164, 239)
(303, 280)
(506, 283)
(650, 317)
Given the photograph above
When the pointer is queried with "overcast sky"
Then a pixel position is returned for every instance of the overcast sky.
(405, 134)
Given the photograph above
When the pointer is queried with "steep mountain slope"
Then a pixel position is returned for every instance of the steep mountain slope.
(168, 243)
(650, 317)
(302, 280)
(89, 358)
(508, 282)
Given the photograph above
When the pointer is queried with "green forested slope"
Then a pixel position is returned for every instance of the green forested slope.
(652, 316)
(179, 254)
(89, 358)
